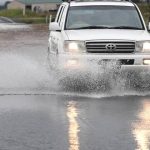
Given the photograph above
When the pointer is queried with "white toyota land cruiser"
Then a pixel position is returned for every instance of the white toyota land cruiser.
(98, 30)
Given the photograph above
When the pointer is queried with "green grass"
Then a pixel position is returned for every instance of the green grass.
(11, 13)
(29, 17)
(30, 20)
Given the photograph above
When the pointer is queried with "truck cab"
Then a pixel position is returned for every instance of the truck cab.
(85, 33)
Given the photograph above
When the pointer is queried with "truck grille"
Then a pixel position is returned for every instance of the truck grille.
(110, 47)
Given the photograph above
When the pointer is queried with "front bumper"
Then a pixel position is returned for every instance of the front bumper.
(85, 61)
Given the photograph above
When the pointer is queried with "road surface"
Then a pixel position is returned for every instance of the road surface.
(36, 114)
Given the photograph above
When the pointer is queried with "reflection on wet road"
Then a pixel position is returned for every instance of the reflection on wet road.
(141, 129)
(73, 126)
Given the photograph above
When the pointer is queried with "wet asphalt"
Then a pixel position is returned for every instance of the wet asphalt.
(42, 122)
(36, 116)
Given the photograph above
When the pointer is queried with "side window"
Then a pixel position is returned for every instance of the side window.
(59, 13)
(60, 17)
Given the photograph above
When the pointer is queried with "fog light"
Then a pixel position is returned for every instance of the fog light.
(72, 62)
(146, 61)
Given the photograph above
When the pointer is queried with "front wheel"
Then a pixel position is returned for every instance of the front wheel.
(52, 60)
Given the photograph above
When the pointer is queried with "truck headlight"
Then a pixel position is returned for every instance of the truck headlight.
(74, 46)
(143, 46)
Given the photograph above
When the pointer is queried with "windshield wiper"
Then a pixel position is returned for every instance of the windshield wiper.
(108, 27)
(127, 27)
(93, 27)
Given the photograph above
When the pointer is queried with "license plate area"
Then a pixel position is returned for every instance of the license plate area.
(117, 62)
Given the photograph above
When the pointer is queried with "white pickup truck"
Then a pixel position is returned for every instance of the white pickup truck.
(103, 31)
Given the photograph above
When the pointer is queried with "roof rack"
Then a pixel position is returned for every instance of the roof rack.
(96, 1)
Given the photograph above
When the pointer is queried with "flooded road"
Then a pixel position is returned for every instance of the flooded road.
(42, 122)
(36, 114)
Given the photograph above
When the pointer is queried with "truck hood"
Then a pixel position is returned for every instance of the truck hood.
(107, 34)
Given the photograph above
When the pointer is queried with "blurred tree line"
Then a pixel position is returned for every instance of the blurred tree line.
(5, 5)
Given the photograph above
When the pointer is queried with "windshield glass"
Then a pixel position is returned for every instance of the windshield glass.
(85, 17)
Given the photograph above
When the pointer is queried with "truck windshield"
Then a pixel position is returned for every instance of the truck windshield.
(101, 17)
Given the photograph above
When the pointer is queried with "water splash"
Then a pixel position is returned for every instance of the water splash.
(20, 74)
(23, 75)
(107, 79)
(13, 26)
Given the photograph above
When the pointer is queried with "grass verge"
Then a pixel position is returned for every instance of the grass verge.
(29, 17)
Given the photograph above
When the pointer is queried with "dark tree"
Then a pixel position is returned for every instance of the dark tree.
(6, 3)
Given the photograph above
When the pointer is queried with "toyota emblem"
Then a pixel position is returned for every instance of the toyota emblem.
(111, 47)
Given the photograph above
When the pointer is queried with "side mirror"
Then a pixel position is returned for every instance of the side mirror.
(54, 26)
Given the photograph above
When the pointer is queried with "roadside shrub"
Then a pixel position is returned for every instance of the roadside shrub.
(145, 9)
(11, 13)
